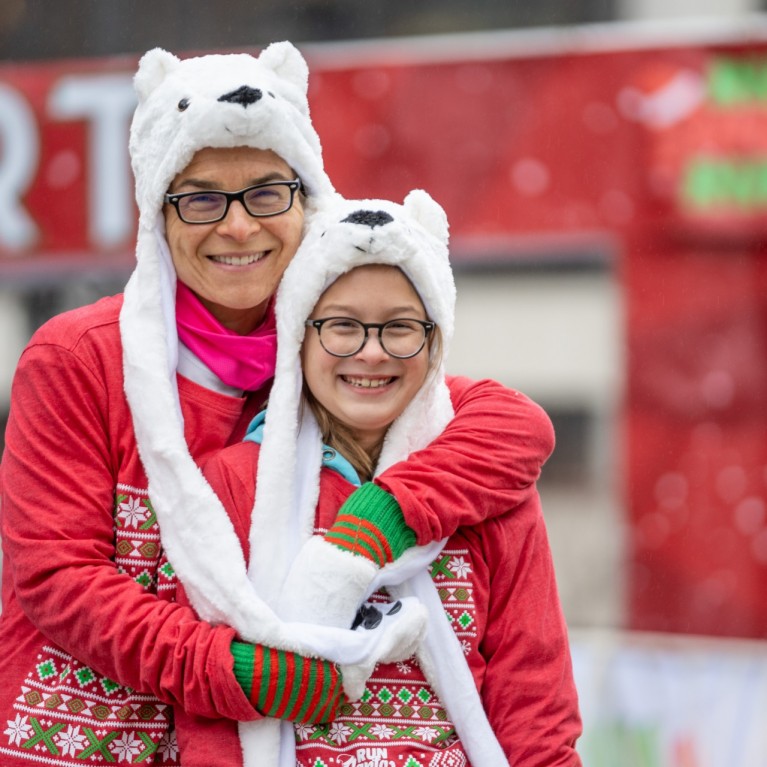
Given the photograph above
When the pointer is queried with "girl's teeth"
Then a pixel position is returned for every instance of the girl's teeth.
(368, 383)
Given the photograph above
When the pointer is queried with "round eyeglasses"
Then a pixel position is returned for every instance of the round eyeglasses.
(344, 336)
(260, 200)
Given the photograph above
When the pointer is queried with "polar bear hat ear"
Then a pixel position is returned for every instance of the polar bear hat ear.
(428, 213)
(288, 64)
(219, 101)
(153, 67)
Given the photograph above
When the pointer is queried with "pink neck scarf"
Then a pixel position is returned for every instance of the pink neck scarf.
(244, 362)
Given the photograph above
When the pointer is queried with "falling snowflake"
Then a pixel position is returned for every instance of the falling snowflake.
(18, 730)
(339, 732)
(168, 747)
(459, 567)
(382, 732)
(126, 747)
(426, 734)
(71, 741)
(466, 646)
(132, 512)
(403, 667)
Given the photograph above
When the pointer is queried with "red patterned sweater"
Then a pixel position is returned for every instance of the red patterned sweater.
(497, 585)
(95, 648)
(96, 651)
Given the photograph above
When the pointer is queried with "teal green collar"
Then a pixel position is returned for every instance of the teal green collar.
(331, 458)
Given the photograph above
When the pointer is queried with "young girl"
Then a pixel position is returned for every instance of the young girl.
(364, 318)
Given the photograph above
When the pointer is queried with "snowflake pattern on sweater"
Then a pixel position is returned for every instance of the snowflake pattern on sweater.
(66, 713)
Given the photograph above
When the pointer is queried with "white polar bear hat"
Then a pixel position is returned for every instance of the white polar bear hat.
(221, 101)
(346, 234)
(186, 105)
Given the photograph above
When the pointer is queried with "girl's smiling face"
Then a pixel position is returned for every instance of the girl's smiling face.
(370, 389)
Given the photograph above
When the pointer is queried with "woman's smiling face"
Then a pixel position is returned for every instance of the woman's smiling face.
(370, 389)
(234, 265)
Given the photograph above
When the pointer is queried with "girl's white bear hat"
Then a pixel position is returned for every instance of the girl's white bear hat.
(412, 236)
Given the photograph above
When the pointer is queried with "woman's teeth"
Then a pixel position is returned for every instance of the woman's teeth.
(245, 260)
(367, 383)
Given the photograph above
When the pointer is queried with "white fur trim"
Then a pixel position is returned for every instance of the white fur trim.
(261, 743)
(328, 587)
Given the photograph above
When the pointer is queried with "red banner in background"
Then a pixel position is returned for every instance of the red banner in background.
(510, 145)
(65, 184)
(662, 150)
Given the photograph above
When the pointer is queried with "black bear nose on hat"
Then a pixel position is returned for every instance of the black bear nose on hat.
(243, 95)
(371, 218)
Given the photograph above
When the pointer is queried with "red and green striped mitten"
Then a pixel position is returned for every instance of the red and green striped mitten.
(370, 524)
(284, 685)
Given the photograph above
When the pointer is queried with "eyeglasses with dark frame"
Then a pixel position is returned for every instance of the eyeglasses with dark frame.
(344, 336)
(260, 200)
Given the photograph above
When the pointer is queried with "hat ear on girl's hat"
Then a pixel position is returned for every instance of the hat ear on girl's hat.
(428, 213)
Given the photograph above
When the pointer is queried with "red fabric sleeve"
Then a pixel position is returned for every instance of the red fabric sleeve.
(528, 688)
(232, 474)
(57, 528)
(202, 741)
(484, 463)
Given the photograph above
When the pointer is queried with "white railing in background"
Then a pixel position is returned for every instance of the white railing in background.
(659, 700)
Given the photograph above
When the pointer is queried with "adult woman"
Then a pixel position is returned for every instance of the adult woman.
(113, 407)
(363, 313)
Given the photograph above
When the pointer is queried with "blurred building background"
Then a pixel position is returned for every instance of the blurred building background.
(585, 280)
